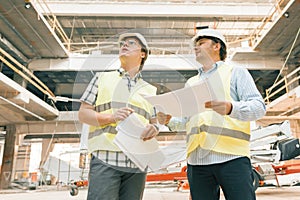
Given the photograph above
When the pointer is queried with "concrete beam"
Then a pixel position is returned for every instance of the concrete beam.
(73, 8)
(49, 128)
(66, 123)
(154, 62)
(14, 94)
(263, 64)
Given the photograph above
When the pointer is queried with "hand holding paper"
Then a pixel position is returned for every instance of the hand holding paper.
(149, 132)
(183, 102)
(190, 100)
(143, 153)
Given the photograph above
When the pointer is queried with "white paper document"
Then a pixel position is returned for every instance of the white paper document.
(183, 102)
(143, 153)
(173, 154)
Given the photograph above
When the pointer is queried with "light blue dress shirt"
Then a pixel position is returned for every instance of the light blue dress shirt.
(247, 105)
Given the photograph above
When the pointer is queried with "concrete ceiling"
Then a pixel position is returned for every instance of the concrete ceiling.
(58, 29)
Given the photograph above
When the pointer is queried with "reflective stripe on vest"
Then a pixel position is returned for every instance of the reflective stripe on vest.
(107, 129)
(108, 105)
(219, 131)
(211, 131)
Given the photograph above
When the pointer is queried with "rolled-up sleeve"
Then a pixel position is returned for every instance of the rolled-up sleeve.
(90, 94)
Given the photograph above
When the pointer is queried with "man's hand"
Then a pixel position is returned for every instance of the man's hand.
(150, 132)
(221, 107)
(122, 114)
(161, 118)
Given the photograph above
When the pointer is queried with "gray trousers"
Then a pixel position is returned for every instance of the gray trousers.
(107, 182)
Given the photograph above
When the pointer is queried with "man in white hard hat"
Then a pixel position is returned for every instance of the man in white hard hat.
(110, 98)
(218, 138)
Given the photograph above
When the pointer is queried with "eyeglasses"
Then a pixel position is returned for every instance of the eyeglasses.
(130, 43)
(199, 43)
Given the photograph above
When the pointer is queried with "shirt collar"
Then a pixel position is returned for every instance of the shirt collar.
(123, 73)
(214, 67)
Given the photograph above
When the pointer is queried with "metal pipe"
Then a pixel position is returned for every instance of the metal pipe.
(45, 89)
(24, 76)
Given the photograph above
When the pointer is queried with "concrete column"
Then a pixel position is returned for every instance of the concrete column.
(295, 127)
(47, 147)
(8, 157)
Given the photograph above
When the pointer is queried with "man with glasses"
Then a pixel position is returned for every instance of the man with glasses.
(110, 98)
(218, 138)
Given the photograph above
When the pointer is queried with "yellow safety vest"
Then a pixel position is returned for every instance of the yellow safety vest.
(113, 94)
(212, 131)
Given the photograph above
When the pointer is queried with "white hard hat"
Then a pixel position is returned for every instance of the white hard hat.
(138, 36)
(209, 32)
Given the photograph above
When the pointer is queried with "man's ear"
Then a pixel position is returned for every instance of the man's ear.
(217, 46)
(143, 55)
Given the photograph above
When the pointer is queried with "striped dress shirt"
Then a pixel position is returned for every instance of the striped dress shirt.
(247, 105)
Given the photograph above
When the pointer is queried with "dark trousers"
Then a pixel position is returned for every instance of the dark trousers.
(235, 177)
(108, 182)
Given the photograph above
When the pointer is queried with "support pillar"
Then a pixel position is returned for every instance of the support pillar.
(295, 127)
(8, 157)
(47, 147)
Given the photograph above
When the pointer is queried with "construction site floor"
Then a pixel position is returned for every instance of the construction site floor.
(151, 193)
